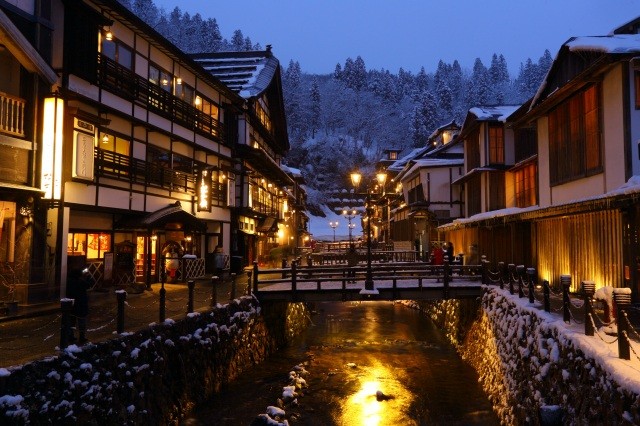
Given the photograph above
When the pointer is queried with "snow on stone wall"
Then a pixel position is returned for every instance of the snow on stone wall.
(531, 369)
(154, 376)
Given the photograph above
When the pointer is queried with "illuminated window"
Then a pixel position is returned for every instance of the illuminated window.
(161, 78)
(118, 52)
(526, 186)
(574, 137)
(496, 145)
(91, 245)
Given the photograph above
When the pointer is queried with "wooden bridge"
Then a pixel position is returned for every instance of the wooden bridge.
(391, 281)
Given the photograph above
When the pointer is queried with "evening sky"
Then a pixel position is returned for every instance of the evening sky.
(410, 33)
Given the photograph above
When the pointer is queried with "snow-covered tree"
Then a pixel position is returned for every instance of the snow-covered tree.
(315, 108)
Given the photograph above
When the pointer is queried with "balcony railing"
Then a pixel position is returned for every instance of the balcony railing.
(129, 85)
(12, 115)
(118, 166)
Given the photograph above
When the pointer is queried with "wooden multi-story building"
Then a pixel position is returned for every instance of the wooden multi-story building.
(262, 140)
(573, 206)
(26, 76)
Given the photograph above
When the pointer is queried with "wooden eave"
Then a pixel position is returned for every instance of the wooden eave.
(591, 74)
(23, 51)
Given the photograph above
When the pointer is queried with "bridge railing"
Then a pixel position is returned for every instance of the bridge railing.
(338, 257)
(340, 276)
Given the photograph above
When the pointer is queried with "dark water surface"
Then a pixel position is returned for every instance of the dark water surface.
(371, 363)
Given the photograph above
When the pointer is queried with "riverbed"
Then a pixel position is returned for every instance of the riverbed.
(368, 363)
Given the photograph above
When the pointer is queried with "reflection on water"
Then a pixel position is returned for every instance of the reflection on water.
(379, 400)
(372, 363)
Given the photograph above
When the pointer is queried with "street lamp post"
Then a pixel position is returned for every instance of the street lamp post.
(333, 226)
(368, 281)
(349, 215)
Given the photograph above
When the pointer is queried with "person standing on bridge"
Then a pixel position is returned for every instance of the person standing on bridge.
(352, 262)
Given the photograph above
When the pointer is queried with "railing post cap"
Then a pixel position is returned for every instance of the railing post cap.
(531, 271)
(588, 287)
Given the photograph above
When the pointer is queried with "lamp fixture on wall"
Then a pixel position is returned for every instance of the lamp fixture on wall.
(108, 35)
(105, 138)
(51, 169)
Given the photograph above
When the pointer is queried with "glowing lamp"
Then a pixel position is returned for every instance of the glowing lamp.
(355, 179)
(51, 173)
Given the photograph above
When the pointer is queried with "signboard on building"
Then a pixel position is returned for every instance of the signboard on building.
(83, 156)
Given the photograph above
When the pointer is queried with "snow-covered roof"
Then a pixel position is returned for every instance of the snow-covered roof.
(630, 188)
(247, 73)
(400, 163)
(292, 170)
(500, 112)
(618, 43)
(628, 44)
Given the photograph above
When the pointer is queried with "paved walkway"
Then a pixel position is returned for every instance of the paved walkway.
(34, 332)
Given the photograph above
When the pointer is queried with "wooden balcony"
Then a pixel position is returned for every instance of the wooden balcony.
(122, 167)
(128, 85)
(12, 115)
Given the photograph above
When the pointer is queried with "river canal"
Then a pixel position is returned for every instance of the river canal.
(371, 363)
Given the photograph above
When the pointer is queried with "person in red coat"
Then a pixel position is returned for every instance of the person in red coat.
(438, 256)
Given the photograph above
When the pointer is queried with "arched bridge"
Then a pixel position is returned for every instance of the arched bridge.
(382, 281)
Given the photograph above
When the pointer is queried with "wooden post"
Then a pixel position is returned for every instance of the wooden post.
(622, 299)
(546, 295)
(502, 271)
(531, 273)
(511, 269)
(294, 283)
(249, 273)
(445, 280)
(484, 271)
(121, 295)
(520, 272)
(565, 282)
(190, 285)
(284, 265)
(255, 277)
(66, 307)
(163, 291)
(232, 293)
(588, 289)
(214, 291)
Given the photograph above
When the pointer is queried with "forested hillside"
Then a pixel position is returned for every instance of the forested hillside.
(345, 120)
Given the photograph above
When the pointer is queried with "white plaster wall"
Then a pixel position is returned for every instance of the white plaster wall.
(613, 129)
(634, 124)
(79, 193)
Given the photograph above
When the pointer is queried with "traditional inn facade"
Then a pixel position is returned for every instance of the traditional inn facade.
(585, 120)
(429, 197)
(261, 198)
(129, 153)
(27, 77)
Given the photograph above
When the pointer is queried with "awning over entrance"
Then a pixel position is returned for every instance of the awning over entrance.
(268, 224)
(160, 218)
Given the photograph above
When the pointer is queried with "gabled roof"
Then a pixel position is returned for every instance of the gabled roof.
(478, 114)
(401, 162)
(246, 73)
(448, 126)
(582, 57)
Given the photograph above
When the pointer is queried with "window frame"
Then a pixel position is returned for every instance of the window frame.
(574, 128)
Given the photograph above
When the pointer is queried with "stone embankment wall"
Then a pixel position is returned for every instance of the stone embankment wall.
(532, 372)
(154, 376)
